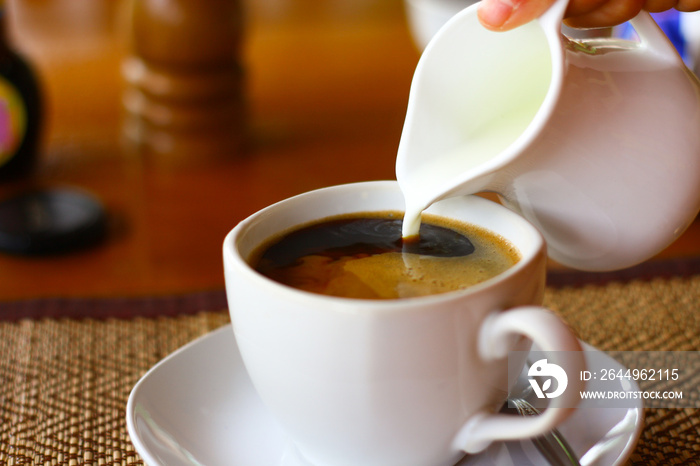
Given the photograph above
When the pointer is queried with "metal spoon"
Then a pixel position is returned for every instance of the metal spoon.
(552, 445)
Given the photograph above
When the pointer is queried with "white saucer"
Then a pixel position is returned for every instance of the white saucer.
(198, 407)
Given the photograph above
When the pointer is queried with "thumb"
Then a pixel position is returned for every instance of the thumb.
(503, 15)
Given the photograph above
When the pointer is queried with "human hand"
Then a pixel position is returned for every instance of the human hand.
(503, 15)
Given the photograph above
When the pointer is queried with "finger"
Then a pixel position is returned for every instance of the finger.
(581, 7)
(503, 15)
(688, 5)
(611, 13)
(655, 6)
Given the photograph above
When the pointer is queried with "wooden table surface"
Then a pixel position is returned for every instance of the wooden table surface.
(327, 87)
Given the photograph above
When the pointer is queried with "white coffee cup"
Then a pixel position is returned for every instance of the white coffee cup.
(404, 382)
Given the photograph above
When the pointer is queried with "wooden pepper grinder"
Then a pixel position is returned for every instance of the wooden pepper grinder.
(184, 77)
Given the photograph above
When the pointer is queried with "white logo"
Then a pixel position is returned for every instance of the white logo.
(542, 368)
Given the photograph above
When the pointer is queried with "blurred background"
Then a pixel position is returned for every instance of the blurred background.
(324, 84)
(315, 94)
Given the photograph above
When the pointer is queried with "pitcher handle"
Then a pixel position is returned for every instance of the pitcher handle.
(653, 38)
(650, 34)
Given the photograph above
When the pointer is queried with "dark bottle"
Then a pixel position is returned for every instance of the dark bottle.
(184, 96)
(20, 109)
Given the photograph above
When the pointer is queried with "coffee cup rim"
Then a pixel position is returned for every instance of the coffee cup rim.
(234, 259)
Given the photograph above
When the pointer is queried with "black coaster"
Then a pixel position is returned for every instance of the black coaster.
(51, 221)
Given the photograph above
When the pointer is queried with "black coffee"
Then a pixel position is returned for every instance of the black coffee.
(364, 256)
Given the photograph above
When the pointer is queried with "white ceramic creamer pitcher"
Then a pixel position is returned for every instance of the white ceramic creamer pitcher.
(596, 142)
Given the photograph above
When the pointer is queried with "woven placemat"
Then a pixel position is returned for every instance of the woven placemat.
(643, 315)
(64, 382)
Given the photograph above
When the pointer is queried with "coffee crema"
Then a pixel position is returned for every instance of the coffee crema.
(364, 256)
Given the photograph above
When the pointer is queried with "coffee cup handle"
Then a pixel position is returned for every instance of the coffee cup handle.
(498, 331)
